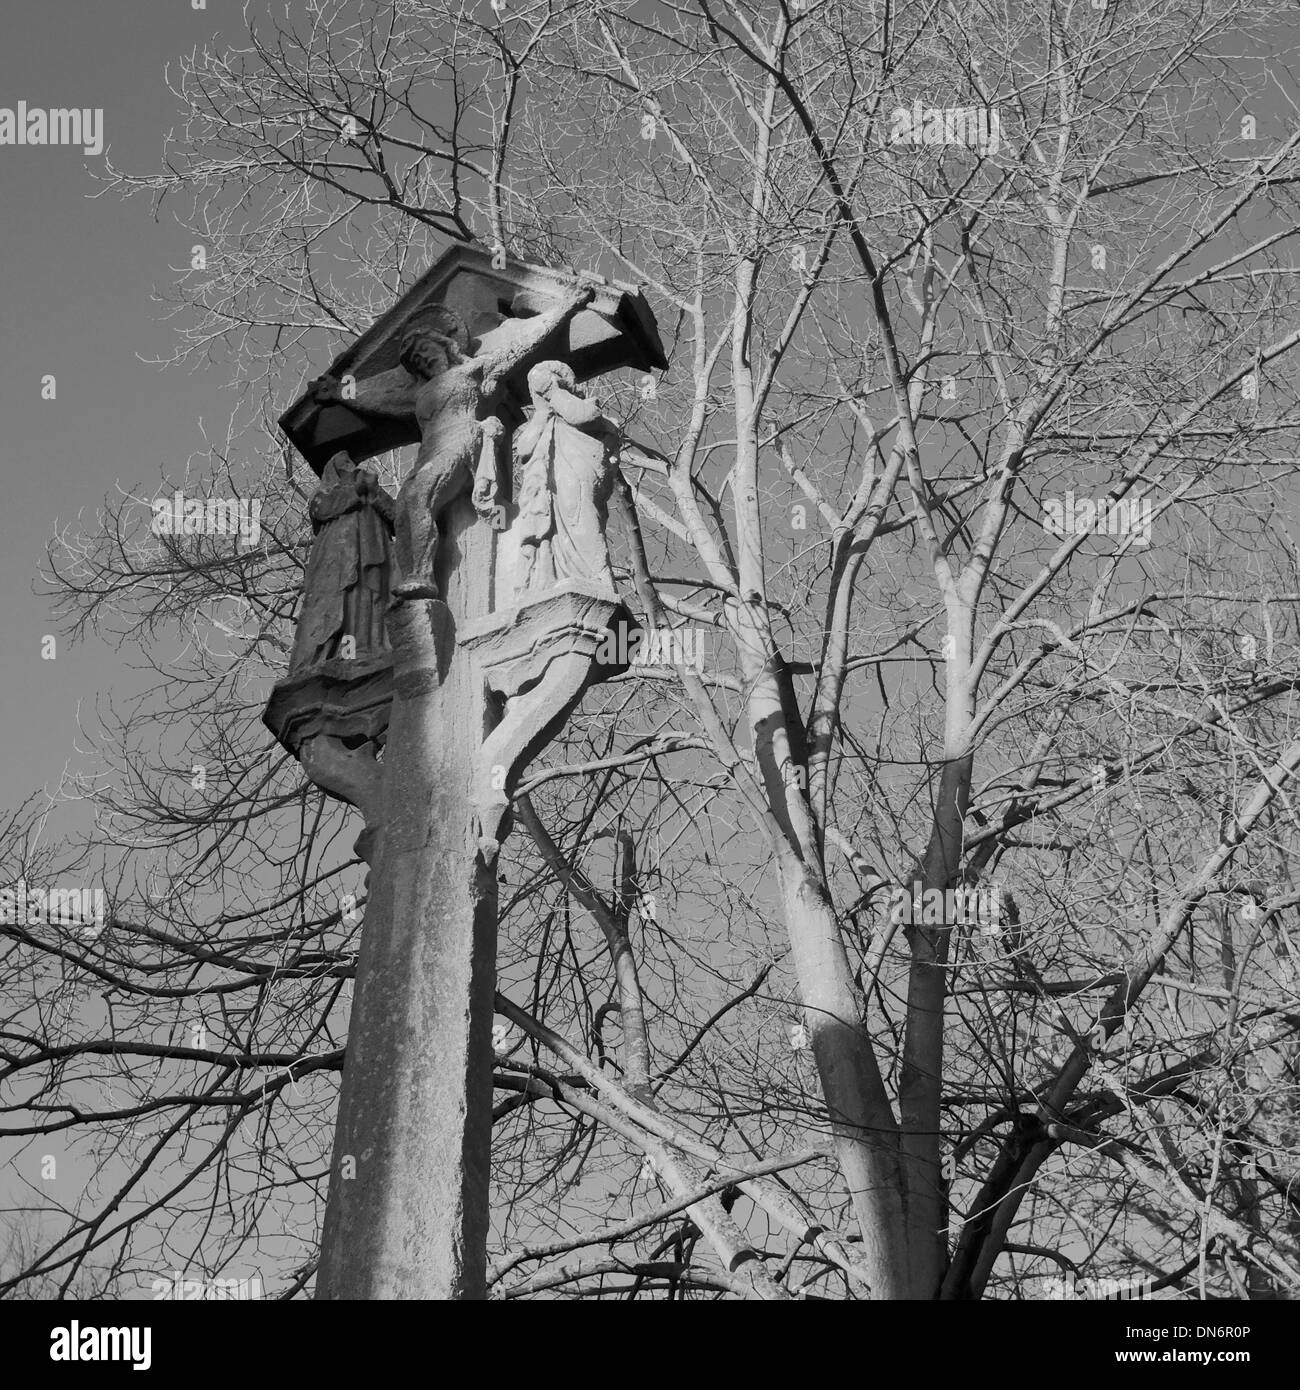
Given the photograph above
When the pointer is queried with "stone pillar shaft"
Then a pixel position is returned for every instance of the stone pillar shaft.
(415, 1113)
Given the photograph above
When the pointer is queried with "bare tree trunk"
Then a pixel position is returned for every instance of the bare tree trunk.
(921, 1079)
(862, 1121)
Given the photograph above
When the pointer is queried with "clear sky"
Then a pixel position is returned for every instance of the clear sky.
(75, 301)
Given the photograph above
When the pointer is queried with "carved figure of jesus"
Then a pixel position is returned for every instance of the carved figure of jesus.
(451, 396)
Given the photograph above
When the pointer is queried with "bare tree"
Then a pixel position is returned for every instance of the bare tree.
(971, 467)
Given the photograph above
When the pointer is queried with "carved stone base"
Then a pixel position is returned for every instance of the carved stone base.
(539, 656)
(347, 700)
(333, 719)
(513, 646)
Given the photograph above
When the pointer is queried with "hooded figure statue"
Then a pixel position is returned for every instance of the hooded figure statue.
(346, 585)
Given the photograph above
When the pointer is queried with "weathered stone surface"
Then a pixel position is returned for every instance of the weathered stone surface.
(540, 657)
(451, 397)
(348, 700)
(415, 1111)
(616, 330)
(489, 655)
(540, 653)
(349, 571)
(331, 710)
(514, 645)
(567, 454)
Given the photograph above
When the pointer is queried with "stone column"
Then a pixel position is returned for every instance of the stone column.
(408, 1194)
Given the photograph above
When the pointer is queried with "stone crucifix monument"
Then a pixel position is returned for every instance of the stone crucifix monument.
(444, 638)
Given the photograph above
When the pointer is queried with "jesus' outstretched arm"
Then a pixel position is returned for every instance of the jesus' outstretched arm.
(390, 395)
(528, 335)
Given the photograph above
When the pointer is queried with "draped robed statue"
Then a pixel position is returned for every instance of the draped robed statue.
(346, 583)
(330, 711)
(540, 651)
(568, 453)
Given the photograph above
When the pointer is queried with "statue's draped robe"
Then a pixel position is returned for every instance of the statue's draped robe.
(563, 504)
(345, 588)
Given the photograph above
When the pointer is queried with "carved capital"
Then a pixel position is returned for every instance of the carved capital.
(344, 700)
(539, 657)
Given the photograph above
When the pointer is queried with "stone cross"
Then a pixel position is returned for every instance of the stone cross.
(444, 638)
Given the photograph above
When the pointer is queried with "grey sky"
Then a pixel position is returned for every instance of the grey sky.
(78, 274)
